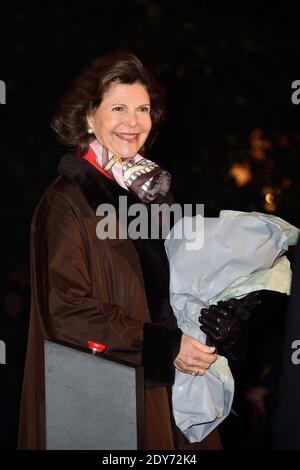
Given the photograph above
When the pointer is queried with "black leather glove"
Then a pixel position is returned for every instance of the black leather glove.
(224, 325)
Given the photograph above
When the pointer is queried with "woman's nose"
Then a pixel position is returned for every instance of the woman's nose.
(131, 119)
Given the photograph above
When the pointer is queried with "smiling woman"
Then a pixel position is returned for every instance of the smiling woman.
(113, 292)
(122, 122)
(116, 87)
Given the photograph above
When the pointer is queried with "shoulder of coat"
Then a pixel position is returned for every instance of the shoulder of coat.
(63, 190)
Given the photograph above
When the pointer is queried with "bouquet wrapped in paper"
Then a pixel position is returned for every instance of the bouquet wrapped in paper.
(235, 254)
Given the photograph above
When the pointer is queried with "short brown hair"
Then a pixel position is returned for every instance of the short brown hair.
(86, 93)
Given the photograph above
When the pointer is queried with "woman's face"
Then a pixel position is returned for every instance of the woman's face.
(122, 122)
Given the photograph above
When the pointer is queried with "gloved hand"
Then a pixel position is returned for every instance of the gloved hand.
(224, 325)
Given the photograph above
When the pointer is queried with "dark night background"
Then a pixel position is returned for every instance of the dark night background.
(232, 137)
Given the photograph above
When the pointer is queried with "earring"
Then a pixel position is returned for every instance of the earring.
(90, 130)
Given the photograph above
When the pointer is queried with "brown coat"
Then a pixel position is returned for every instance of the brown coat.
(84, 288)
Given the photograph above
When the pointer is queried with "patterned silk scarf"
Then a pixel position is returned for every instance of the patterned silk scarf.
(139, 175)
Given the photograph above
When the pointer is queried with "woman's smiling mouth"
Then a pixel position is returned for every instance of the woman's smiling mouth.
(127, 137)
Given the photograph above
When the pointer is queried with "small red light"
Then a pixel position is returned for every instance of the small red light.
(96, 347)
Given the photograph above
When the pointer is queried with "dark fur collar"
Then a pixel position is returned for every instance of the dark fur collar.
(94, 185)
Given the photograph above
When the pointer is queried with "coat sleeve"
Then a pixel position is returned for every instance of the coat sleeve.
(75, 316)
(160, 348)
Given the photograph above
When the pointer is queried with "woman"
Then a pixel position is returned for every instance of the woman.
(85, 286)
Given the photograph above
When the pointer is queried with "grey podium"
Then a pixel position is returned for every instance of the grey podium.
(93, 401)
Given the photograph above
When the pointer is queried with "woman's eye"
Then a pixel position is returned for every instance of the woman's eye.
(118, 108)
(145, 109)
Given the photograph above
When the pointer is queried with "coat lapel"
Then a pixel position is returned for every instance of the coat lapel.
(98, 189)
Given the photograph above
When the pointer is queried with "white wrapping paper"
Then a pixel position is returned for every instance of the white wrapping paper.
(241, 253)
